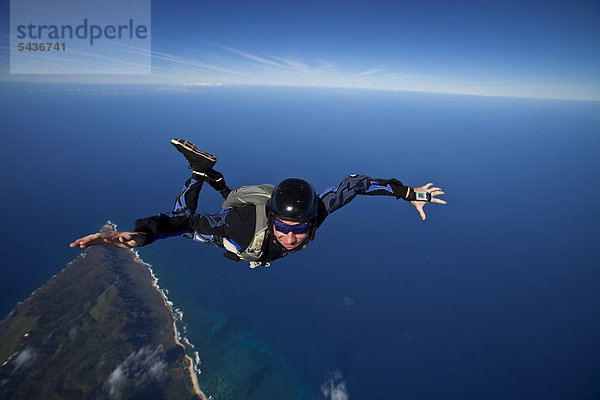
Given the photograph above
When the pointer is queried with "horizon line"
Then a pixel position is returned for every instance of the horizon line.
(219, 84)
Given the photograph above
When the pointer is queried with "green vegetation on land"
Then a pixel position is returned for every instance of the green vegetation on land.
(99, 329)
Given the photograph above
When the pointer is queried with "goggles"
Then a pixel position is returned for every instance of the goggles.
(284, 228)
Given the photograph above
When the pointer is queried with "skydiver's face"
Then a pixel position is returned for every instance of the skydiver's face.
(289, 240)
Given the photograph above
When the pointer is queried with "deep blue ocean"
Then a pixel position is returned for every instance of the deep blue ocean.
(494, 296)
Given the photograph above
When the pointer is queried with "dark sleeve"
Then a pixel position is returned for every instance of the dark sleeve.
(338, 196)
(233, 222)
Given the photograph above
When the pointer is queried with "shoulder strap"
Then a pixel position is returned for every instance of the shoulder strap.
(258, 195)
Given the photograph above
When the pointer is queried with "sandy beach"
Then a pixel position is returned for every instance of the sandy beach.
(192, 373)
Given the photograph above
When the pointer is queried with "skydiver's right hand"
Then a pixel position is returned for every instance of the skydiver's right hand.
(121, 240)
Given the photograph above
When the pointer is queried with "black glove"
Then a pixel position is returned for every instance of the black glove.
(405, 192)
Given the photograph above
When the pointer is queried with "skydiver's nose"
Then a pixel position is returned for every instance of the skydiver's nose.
(290, 238)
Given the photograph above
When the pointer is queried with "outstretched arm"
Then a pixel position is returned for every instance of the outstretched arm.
(338, 196)
(234, 222)
(122, 240)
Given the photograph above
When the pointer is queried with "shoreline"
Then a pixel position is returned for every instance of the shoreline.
(168, 304)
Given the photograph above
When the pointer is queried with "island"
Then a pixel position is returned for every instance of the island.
(99, 329)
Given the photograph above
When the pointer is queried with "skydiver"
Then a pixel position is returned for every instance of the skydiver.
(259, 223)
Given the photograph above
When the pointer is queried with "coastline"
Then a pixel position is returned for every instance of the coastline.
(168, 304)
(98, 328)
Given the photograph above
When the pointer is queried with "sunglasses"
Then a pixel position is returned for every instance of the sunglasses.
(284, 228)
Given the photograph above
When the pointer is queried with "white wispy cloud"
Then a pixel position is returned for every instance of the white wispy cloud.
(372, 71)
(221, 64)
(184, 64)
(252, 57)
(292, 64)
(140, 368)
(347, 302)
(335, 388)
(24, 360)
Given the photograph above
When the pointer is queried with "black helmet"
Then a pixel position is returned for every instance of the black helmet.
(294, 199)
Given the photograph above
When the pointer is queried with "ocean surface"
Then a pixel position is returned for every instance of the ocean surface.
(494, 296)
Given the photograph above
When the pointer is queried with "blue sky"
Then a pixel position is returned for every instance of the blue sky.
(545, 49)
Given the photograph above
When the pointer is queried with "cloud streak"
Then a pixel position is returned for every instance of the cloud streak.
(139, 369)
(232, 66)
(24, 360)
(251, 57)
(335, 388)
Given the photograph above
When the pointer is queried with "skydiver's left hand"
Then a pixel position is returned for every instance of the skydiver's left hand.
(434, 191)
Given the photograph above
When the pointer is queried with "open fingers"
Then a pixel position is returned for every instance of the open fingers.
(108, 239)
(436, 191)
(435, 199)
(85, 241)
(94, 239)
